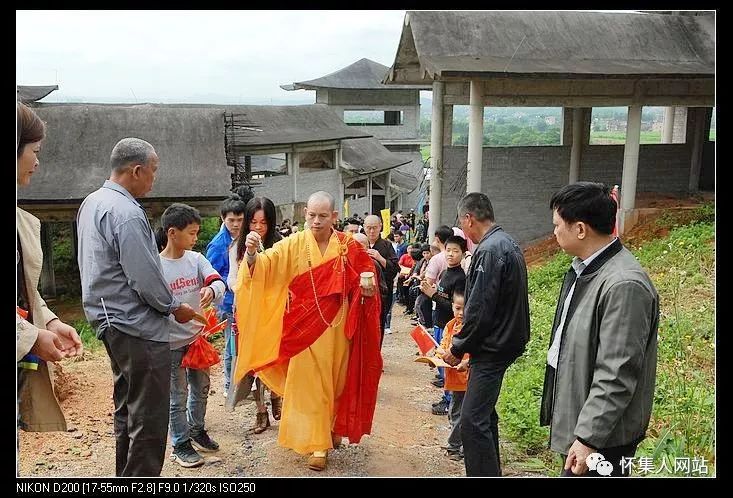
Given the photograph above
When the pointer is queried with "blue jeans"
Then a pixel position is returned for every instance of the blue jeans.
(479, 420)
(228, 347)
(438, 336)
(189, 393)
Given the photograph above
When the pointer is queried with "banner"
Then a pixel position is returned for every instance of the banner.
(346, 209)
(386, 224)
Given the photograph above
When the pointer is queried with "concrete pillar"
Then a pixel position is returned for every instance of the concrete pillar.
(587, 115)
(387, 189)
(576, 145)
(668, 125)
(341, 194)
(370, 197)
(47, 280)
(679, 135)
(631, 163)
(566, 135)
(436, 158)
(698, 140)
(475, 137)
(447, 125)
(293, 167)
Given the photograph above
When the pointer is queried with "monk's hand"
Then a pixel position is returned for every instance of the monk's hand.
(375, 254)
(367, 290)
(450, 359)
(252, 242)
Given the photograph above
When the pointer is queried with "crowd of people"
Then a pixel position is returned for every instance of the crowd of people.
(306, 310)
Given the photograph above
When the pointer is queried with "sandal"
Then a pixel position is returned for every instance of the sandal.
(317, 462)
(262, 423)
(277, 406)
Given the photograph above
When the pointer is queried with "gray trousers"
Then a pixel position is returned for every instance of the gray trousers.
(142, 385)
(455, 443)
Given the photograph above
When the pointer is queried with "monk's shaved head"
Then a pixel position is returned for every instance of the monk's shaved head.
(372, 219)
(362, 239)
(373, 228)
(320, 197)
(320, 215)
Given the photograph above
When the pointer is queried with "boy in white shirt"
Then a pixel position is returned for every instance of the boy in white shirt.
(192, 280)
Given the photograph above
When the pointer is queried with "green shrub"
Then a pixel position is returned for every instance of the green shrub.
(209, 228)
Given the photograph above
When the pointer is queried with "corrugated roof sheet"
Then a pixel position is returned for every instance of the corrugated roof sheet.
(407, 177)
(287, 124)
(367, 155)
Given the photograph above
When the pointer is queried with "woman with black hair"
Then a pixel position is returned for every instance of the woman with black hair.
(259, 216)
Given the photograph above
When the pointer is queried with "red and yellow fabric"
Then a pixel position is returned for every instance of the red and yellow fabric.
(329, 372)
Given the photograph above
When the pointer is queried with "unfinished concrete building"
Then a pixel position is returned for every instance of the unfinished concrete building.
(573, 60)
(391, 113)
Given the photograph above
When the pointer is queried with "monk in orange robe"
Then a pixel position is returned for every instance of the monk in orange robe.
(309, 326)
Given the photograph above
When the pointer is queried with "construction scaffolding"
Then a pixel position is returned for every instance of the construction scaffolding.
(237, 128)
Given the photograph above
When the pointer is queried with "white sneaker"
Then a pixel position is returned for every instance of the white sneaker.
(387, 331)
(224, 393)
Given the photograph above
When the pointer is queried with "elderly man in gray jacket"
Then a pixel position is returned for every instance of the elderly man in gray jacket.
(601, 365)
(127, 300)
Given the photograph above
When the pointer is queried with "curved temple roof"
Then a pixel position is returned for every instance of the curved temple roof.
(363, 74)
(33, 93)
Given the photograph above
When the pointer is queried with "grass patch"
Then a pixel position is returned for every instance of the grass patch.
(88, 335)
(425, 152)
(619, 137)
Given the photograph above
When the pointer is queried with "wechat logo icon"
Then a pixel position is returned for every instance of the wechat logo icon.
(598, 462)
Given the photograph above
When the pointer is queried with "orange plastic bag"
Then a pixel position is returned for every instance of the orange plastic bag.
(201, 354)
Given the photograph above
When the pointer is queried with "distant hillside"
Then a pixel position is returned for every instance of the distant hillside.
(462, 111)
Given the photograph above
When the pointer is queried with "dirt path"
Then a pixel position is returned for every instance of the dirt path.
(406, 437)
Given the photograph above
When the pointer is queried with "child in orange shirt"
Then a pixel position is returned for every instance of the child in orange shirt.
(456, 379)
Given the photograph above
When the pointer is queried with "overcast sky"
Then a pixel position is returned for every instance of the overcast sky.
(195, 56)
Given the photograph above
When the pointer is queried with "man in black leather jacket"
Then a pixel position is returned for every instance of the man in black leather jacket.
(495, 329)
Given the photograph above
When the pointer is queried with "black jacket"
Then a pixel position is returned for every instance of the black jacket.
(453, 278)
(496, 316)
(385, 249)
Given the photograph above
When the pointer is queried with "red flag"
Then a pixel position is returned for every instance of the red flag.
(425, 342)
